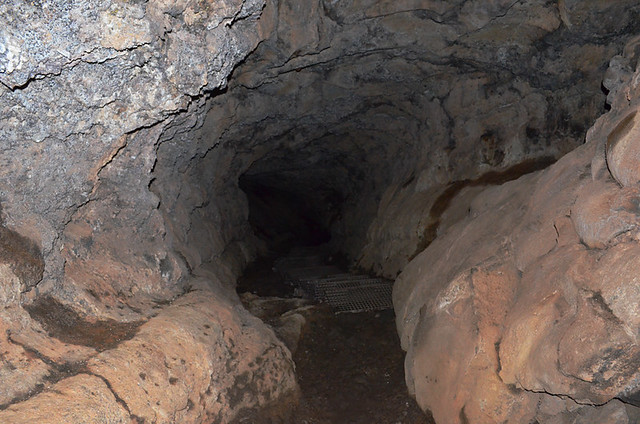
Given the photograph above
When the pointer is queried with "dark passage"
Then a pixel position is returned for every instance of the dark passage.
(281, 216)
(349, 366)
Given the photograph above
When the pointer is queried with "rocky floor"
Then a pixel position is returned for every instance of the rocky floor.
(349, 366)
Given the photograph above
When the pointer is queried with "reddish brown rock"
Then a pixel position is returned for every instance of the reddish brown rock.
(21, 371)
(202, 358)
(603, 212)
(623, 150)
(79, 399)
(462, 369)
(616, 281)
(561, 316)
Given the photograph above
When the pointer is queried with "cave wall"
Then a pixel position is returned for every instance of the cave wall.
(386, 103)
(87, 94)
(542, 301)
(101, 317)
(523, 85)
(124, 227)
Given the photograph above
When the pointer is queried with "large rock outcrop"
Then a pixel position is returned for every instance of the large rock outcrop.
(526, 308)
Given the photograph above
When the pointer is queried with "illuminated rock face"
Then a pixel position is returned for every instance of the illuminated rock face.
(391, 126)
(534, 315)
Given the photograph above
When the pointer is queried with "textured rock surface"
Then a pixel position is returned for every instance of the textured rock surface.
(87, 93)
(124, 227)
(533, 316)
(202, 359)
(84, 399)
(360, 108)
(88, 266)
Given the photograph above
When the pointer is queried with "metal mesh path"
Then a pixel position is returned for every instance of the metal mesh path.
(343, 291)
(355, 295)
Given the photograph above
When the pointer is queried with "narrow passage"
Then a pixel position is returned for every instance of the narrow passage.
(349, 365)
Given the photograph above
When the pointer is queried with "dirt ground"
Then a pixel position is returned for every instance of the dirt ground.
(349, 366)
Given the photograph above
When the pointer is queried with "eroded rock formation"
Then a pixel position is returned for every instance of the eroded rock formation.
(369, 109)
(533, 316)
(101, 319)
(124, 226)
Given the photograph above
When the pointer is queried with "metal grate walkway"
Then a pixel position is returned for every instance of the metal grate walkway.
(326, 283)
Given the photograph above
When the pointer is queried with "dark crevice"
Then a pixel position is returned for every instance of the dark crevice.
(118, 399)
(463, 417)
(632, 399)
(23, 256)
(601, 307)
(57, 372)
(559, 396)
(68, 326)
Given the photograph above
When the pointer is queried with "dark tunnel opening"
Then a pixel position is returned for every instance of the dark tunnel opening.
(338, 323)
(296, 197)
(281, 216)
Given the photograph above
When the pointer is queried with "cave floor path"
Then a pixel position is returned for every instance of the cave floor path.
(349, 365)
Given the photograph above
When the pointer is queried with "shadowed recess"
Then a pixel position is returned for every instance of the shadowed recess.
(68, 326)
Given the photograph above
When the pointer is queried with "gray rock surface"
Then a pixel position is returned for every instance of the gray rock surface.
(361, 108)
(88, 90)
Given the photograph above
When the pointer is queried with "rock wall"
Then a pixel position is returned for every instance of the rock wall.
(379, 104)
(101, 318)
(525, 309)
(513, 83)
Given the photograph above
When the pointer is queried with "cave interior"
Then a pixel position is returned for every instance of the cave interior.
(481, 156)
